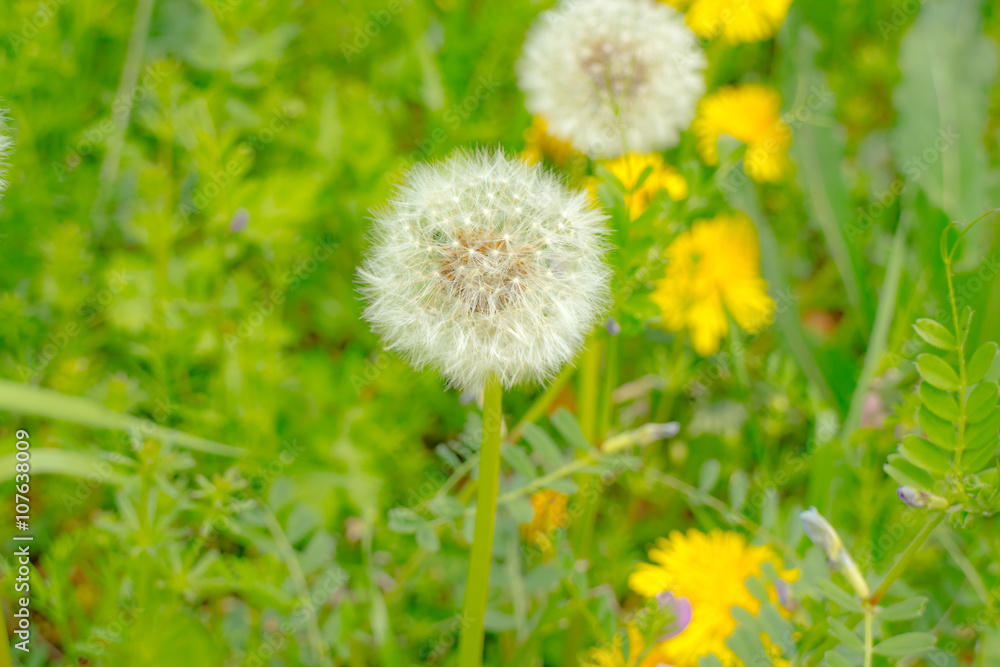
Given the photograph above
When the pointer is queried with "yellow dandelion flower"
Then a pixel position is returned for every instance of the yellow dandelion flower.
(539, 144)
(550, 515)
(714, 270)
(734, 21)
(710, 570)
(662, 176)
(752, 114)
(773, 651)
(614, 655)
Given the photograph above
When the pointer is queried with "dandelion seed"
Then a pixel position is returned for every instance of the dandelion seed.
(611, 74)
(488, 290)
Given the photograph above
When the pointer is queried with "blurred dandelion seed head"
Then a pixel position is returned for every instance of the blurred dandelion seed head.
(483, 264)
(5, 145)
(611, 74)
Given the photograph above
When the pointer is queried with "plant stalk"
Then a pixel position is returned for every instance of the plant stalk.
(904, 560)
(869, 634)
(470, 650)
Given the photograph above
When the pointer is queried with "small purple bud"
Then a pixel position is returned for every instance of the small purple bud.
(613, 327)
(239, 221)
(917, 498)
(683, 613)
(784, 590)
(911, 496)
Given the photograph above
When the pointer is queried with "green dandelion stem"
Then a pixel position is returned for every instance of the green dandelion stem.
(470, 650)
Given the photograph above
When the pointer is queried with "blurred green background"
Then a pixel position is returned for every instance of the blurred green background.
(187, 206)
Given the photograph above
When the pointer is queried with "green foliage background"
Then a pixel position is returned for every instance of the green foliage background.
(127, 279)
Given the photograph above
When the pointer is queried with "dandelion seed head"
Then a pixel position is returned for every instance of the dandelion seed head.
(598, 69)
(509, 289)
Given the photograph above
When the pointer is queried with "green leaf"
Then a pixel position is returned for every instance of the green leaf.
(564, 485)
(739, 485)
(903, 611)
(566, 424)
(521, 509)
(925, 454)
(907, 474)
(404, 520)
(906, 644)
(834, 659)
(974, 460)
(519, 461)
(947, 69)
(990, 425)
(709, 661)
(427, 538)
(934, 334)
(52, 461)
(835, 593)
(27, 400)
(940, 431)
(965, 322)
(542, 445)
(980, 363)
(981, 401)
(935, 370)
(847, 637)
(940, 402)
(445, 507)
(708, 476)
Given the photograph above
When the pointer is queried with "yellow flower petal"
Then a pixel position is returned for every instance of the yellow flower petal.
(539, 144)
(710, 570)
(735, 20)
(713, 272)
(662, 176)
(752, 114)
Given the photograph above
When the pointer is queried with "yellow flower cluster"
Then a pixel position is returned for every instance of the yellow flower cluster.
(734, 21)
(629, 168)
(550, 515)
(713, 273)
(710, 570)
(539, 145)
(752, 114)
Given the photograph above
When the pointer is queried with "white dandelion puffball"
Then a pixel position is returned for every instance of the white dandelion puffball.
(598, 70)
(484, 265)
